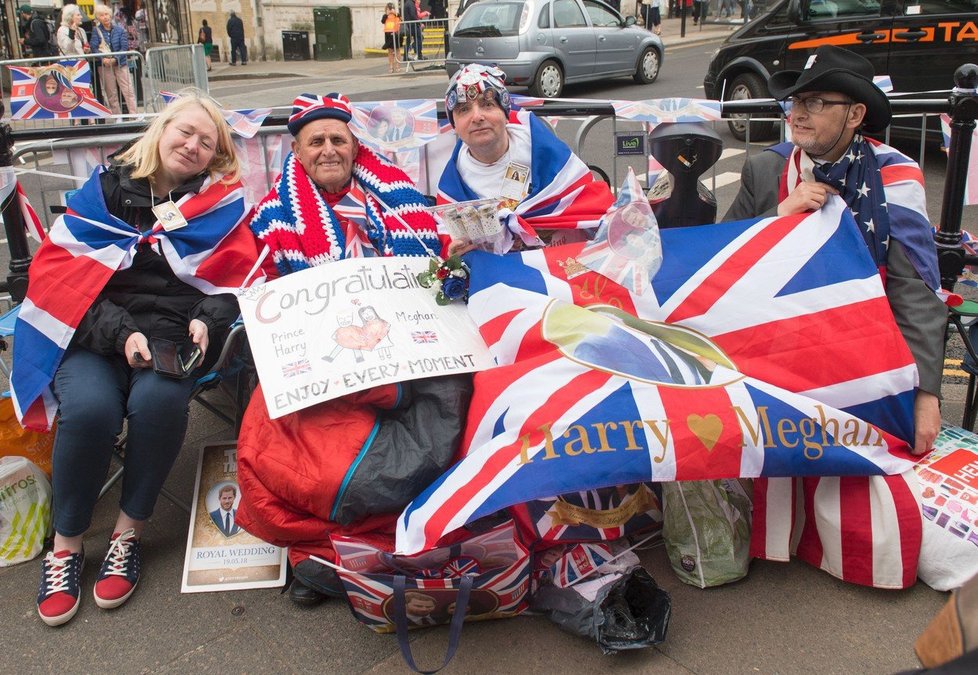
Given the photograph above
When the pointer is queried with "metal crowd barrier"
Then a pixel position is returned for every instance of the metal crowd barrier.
(962, 105)
(173, 67)
(433, 34)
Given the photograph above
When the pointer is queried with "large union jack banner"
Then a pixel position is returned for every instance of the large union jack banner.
(61, 90)
(766, 348)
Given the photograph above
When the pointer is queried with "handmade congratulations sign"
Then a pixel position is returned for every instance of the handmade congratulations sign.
(350, 325)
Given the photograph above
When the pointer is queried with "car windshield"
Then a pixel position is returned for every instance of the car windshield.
(490, 19)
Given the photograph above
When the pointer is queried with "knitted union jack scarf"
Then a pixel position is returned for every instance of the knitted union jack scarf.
(302, 230)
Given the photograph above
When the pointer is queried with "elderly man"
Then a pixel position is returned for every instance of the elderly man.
(514, 157)
(307, 476)
(832, 101)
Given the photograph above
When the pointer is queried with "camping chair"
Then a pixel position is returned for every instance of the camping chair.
(233, 368)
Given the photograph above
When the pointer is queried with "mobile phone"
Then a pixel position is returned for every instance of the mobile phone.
(174, 359)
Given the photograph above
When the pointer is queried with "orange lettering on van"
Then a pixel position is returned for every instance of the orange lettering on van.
(968, 32)
(947, 26)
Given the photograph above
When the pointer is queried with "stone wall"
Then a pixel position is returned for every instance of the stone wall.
(266, 19)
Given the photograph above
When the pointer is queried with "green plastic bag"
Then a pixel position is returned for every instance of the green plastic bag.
(706, 529)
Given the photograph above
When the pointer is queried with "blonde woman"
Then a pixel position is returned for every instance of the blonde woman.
(113, 71)
(138, 282)
(72, 40)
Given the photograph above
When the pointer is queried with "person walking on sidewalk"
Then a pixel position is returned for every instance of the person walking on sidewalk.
(236, 34)
(205, 37)
(392, 34)
(652, 15)
(113, 71)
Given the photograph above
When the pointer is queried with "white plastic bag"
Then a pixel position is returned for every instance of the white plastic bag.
(25, 510)
(949, 499)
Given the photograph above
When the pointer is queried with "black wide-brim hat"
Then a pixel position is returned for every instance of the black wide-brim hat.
(833, 68)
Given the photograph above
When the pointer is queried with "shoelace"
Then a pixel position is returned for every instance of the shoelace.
(118, 555)
(56, 574)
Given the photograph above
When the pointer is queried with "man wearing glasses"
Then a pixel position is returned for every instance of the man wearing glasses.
(833, 100)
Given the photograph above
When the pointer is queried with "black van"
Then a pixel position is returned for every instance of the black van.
(918, 43)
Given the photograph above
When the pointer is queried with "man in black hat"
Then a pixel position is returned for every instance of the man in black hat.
(833, 100)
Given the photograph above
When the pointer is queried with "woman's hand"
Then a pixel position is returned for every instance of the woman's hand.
(137, 351)
(198, 333)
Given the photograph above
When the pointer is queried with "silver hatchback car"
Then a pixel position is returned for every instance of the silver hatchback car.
(545, 44)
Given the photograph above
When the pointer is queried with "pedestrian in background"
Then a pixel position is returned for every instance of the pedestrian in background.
(35, 36)
(72, 40)
(652, 15)
(412, 29)
(236, 34)
(392, 35)
(113, 71)
(206, 37)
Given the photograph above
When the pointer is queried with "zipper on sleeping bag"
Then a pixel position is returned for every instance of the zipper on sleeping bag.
(353, 468)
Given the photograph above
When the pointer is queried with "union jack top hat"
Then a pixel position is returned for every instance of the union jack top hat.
(309, 107)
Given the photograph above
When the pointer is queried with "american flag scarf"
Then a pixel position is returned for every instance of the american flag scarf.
(303, 231)
(884, 189)
(86, 246)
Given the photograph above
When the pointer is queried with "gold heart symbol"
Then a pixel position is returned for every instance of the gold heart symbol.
(707, 428)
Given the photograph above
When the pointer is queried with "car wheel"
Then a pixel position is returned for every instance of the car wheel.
(549, 81)
(744, 86)
(648, 66)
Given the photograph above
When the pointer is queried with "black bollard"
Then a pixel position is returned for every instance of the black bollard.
(13, 223)
(963, 111)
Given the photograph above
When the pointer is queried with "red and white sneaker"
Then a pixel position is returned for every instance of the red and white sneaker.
(119, 574)
(60, 592)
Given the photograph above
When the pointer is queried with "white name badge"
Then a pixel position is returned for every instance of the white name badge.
(169, 216)
(514, 181)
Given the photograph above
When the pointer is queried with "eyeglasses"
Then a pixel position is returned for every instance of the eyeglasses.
(814, 104)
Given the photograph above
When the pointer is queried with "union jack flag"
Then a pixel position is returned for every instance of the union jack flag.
(296, 368)
(424, 336)
(578, 562)
(245, 122)
(700, 379)
(603, 514)
(9, 184)
(657, 111)
(388, 126)
(627, 248)
(61, 90)
(86, 246)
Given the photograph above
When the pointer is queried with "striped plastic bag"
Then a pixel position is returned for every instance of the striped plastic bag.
(25, 510)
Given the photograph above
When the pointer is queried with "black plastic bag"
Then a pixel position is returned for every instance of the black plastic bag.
(629, 611)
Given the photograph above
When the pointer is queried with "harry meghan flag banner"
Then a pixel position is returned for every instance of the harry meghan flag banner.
(763, 348)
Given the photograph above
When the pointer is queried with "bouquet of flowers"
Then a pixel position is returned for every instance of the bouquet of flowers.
(451, 277)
